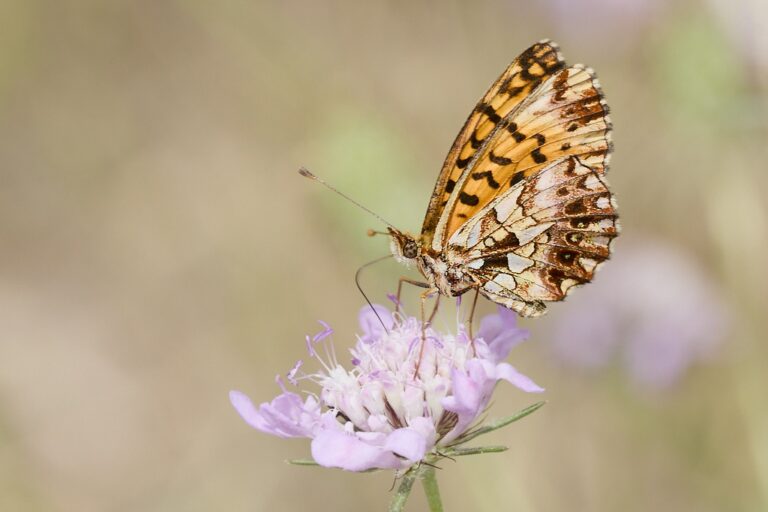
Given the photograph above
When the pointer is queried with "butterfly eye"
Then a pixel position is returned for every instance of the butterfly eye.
(410, 249)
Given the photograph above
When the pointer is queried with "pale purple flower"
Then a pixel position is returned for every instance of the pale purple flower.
(385, 410)
(652, 308)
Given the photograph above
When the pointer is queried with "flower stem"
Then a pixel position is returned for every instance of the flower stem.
(403, 491)
(429, 482)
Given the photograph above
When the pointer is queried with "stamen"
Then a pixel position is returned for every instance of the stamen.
(291, 376)
(327, 331)
(279, 382)
(310, 348)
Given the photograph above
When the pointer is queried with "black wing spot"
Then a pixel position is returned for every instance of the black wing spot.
(505, 85)
(526, 74)
(556, 277)
(491, 113)
(510, 240)
(582, 183)
(488, 175)
(496, 262)
(591, 117)
(574, 237)
(474, 141)
(461, 215)
(572, 127)
(566, 146)
(519, 137)
(469, 199)
(461, 163)
(584, 221)
(571, 169)
(557, 66)
(512, 127)
(540, 139)
(499, 160)
(537, 156)
(566, 257)
(516, 178)
(449, 186)
(576, 207)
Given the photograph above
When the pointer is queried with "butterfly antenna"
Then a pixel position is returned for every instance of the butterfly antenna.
(357, 282)
(305, 172)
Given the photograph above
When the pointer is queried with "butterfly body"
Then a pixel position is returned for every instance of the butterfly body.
(521, 211)
(445, 271)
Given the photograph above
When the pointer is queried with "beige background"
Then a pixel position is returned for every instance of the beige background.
(158, 248)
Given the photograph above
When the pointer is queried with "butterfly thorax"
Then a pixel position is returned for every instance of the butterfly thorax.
(442, 271)
(449, 278)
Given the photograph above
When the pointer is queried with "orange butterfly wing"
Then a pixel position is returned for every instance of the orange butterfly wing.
(537, 112)
(521, 77)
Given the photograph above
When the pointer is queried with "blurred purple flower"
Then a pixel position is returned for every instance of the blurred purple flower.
(383, 413)
(652, 307)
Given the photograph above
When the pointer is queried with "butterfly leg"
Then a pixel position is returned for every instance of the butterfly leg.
(434, 310)
(424, 296)
(402, 280)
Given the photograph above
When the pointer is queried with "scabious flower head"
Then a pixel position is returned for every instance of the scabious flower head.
(400, 399)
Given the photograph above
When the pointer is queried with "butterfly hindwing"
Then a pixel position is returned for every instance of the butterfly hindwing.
(540, 238)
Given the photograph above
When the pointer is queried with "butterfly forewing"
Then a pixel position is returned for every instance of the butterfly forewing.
(541, 237)
(524, 75)
(562, 114)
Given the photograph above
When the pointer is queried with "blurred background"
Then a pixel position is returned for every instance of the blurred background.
(159, 249)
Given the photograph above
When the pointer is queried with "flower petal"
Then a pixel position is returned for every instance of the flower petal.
(371, 325)
(338, 449)
(472, 390)
(246, 410)
(285, 416)
(407, 443)
(465, 393)
(500, 332)
(426, 428)
(510, 374)
(466, 402)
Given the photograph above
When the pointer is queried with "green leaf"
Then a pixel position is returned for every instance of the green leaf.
(477, 450)
(311, 463)
(498, 424)
(302, 462)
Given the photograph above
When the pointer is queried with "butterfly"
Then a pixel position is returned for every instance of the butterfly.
(521, 211)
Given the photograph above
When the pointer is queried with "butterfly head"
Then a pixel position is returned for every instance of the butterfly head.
(405, 247)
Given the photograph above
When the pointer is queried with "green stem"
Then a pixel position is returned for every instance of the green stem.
(429, 482)
(403, 491)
